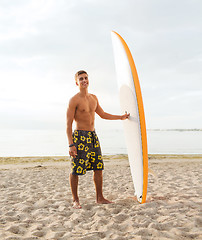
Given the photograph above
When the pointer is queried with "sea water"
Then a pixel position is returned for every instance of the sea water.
(54, 142)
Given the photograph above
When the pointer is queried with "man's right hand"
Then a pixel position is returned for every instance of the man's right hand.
(73, 151)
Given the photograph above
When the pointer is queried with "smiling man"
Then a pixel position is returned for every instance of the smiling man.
(84, 146)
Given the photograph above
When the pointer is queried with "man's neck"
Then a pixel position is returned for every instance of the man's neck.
(84, 92)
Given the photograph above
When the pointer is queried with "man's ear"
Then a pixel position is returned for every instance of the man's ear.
(77, 83)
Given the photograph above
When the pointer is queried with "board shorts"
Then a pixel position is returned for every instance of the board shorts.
(89, 155)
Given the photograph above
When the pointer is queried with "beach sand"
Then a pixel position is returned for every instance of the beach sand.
(36, 201)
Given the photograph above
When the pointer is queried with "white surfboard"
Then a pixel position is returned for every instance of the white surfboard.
(134, 127)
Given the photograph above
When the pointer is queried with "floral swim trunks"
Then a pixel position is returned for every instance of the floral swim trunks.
(89, 156)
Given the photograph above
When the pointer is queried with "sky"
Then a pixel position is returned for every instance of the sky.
(43, 43)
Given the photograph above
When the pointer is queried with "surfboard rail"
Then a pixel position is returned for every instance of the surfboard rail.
(141, 116)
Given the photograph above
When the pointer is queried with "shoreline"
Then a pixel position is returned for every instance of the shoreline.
(28, 159)
(7, 163)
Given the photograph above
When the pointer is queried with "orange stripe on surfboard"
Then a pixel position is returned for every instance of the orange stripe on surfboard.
(141, 116)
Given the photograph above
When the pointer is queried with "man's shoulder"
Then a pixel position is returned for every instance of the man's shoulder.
(93, 96)
(73, 99)
(76, 96)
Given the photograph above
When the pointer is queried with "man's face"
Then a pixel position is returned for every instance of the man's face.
(82, 80)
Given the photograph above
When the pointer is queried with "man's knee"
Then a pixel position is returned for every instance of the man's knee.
(98, 172)
(73, 176)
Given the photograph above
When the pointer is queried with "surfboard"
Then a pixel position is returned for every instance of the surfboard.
(134, 128)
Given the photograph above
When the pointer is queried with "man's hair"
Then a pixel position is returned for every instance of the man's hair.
(79, 73)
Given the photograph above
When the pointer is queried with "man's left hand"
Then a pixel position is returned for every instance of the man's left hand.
(125, 116)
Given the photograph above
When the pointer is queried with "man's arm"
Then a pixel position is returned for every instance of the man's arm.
(70, 117)
(108, 116)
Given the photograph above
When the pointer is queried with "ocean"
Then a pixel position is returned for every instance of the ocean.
(19, 143)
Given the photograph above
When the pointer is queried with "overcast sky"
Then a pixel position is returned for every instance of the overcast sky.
(44, 42)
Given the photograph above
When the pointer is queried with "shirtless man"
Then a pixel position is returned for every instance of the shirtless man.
(84, 147)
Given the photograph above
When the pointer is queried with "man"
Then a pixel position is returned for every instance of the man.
(84, 147)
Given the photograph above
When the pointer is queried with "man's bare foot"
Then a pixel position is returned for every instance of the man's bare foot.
(76, 205)
(103, 201)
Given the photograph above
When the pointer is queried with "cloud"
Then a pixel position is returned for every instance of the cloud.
(43, 43)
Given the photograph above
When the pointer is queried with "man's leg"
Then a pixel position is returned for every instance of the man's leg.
(74, 179)
(98, 180)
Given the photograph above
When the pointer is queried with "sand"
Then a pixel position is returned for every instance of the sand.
(36, 201)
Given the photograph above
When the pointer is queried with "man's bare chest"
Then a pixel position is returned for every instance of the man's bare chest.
(87, 106)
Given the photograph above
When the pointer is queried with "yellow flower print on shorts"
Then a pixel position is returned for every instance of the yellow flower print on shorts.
(97, 144)
(86, 149)
(99, 165)
(89, 134)
(92, 159)
(81, 146)
(73, 166)
(83, 138)
(89, 165)
(89, 156)
(79, 169)
(81, 161)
